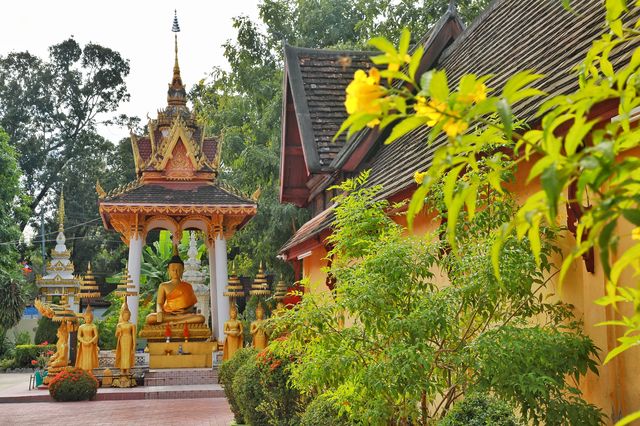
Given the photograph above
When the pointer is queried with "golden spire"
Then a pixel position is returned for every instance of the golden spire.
(61, 213)
(177, 95)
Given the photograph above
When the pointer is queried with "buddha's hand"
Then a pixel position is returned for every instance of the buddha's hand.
(159, 316)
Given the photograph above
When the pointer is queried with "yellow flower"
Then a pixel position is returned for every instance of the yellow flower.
(635, 234)
(396, 61)
(419, 177)
(479, 94)
(364, 92)
(433, 109)
(454, 127)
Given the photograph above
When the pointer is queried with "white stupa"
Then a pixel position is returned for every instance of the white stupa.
(59, 279)
(193, 275)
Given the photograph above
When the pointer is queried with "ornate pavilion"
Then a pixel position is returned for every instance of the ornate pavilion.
(177, 190)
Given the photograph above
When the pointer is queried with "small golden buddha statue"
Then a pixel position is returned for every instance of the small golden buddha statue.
(126, 345)
(87, 356)
(176, 300)
(258, 333)
(61, 357)
(234, 335)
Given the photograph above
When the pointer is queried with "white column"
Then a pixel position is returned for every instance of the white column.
(222, 305)
(212, 291)
(135, 260)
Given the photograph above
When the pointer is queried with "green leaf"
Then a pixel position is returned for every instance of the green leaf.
(417, 202)
(404, 127)
(628, 419)
(383, 45)
(517, 82)
(415, 62)
(632, 216)
(438, 87)
(552, 187)
(405, 39)
(504, 111)
(603, 244)
(629, 256)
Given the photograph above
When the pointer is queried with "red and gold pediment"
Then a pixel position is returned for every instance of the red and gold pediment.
(180, 165)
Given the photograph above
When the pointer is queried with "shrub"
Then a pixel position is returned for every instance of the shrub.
(27, 353)
(282, 403)
(323, 412)
(73, 384)
(480, 410)
(228, 371)
(21, 338)
(6, 363)
(46, 331)
(249, 392)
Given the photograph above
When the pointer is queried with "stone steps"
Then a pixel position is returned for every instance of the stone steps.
(181, 376)
(116, 394)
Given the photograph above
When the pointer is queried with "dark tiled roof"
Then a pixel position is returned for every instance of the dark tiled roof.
(318, 81)
(149, 194)
(310, 229)
(144, 148)
(209, 148)
(510, 36)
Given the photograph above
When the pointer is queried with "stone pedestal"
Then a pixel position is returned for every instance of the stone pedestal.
(194, 354)
(156, 333)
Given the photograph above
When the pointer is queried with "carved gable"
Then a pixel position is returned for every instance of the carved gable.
(180, 165)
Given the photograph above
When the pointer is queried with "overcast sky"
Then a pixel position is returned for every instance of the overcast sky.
(139, 30)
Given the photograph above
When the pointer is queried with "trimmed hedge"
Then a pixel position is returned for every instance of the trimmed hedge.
(480, 410)
(228, 371)
(248, 392)
(323, 412)
(26, 353)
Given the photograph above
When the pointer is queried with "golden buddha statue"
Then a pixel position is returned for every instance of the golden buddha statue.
(258, 333)
(176, 300)
(87, 356)
(234, 335)
(126, 345)
(61, 357)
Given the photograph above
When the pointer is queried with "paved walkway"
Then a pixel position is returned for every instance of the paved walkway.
(183, 412)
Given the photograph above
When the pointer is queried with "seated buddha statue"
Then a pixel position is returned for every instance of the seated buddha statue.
(176, 300)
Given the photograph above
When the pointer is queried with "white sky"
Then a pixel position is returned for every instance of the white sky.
(139, 30)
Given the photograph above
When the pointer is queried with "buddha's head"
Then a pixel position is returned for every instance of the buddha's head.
(176, 265)
(125, 315)
(233, 312)
(259, 311)
(88, 315)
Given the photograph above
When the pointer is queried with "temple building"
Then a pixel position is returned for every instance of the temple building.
(59, 280)
(177, 189)
(510, 36)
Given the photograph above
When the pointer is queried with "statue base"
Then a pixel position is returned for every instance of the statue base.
(123, 382)
(194, 354)
(51, 373)
(157, 333)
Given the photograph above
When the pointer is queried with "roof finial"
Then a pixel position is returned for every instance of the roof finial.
(177, 94)
(61, 213)
(452, 6)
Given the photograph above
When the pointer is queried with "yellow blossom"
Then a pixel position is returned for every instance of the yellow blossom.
(478, 94)
(419, 177)
(454, 127)
(635, 234)
(433, 109)
(364, 92)
(395, 61)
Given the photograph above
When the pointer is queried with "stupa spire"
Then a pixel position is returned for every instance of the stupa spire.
(177, 95)
(61, 213)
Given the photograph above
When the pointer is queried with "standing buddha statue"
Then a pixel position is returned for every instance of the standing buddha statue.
(258, 333)
(126, 345)
(234, 334)
(87, 356)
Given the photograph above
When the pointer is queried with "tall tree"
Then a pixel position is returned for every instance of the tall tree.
(50, 107)
(12, 293)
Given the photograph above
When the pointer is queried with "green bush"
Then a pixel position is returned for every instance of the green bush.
(323, 412)
(6, 363)
(228, 371)
(27, 353)
(46, 331)
(73, 384)
(282, 404)
(21, 338)
(249, 393)
(480, 410)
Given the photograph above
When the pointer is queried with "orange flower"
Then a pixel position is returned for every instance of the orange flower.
(478, 94)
